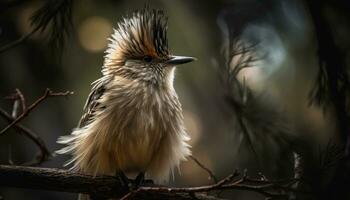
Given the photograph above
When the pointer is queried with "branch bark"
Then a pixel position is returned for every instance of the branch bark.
(44, 151)
(14, 120)
(106, 187)
(68, 181)
(48, 93)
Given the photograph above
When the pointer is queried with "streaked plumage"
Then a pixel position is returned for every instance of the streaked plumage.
(132, 119)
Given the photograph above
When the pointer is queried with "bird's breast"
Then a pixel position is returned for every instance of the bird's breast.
(138, 122)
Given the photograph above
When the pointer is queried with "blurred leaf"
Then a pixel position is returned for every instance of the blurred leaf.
(55, 15)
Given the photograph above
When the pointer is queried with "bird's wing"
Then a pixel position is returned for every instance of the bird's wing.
(92, 103)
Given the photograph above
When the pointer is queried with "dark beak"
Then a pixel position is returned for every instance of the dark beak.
(178, 60)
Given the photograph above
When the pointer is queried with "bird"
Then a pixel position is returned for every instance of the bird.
(133, 121)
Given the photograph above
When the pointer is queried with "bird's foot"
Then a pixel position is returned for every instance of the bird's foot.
(125, 181)
(130, 184)
(140, 178)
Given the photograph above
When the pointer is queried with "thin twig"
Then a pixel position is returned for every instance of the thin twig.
(222, 184)
(18, 99)
(23, 100)
(211, 174)
(48, 93)
(44, 151)
(15, 108)
(267, 188)
(129, 194)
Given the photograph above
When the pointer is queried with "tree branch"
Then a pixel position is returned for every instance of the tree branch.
(112, 187)
(44, 151)
(13, 121)
(48, 93)
(201, 165)
(68, 181)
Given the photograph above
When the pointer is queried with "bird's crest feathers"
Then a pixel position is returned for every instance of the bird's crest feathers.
(143, 33)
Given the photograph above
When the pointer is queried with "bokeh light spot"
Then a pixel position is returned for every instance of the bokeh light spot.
(93, 33)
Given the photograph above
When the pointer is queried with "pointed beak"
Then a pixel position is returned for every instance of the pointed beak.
(178, 60)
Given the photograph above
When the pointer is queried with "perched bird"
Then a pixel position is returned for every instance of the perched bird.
(133, 121)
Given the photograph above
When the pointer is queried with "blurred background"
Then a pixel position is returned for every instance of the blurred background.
(282, 79)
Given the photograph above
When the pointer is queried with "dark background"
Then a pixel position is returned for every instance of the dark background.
(284, 75)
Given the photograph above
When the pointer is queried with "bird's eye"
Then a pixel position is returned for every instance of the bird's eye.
(147, 59)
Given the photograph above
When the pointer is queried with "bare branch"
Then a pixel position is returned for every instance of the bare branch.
(211, 174)
(109, 186)
(23, 100)
(269, 189)
(68, 181)
(44, 151)
(15, 108)
(17, 98)
(48, 93)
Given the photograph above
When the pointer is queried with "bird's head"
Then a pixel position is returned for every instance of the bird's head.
(138, 48)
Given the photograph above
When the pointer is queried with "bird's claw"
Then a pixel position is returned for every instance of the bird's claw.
(140, 178)
(130, 184)
(125, 181)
